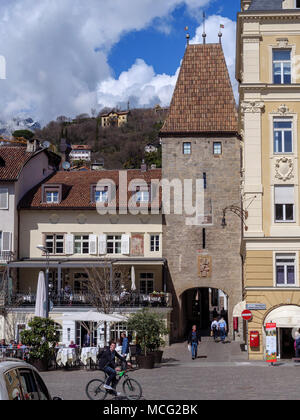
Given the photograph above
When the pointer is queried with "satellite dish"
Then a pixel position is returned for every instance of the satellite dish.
(66, 166)
(46, 144)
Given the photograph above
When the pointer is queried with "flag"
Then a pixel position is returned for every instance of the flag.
(186, 28)
(222, 26)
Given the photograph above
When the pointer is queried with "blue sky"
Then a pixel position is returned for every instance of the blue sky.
(165, 50)
(71, 56)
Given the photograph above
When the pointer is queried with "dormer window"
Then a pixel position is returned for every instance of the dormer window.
(52, 194)
(101, 196)
(142, 195)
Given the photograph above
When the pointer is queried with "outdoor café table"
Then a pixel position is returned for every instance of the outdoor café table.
(66, 356)
(88, 354)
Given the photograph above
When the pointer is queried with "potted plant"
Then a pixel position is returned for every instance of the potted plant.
(41, 338)
(149, 328)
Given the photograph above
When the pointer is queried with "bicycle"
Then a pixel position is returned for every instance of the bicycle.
(132, 389)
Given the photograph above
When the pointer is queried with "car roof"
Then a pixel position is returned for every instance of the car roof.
(8, 363)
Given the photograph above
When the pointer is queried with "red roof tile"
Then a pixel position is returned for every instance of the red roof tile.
(203, 99)
(12, 160)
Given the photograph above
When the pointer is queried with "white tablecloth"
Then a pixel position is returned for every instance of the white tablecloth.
(65, 356)
(88, 353)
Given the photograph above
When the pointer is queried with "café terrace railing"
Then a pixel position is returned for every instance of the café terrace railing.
(130, 300)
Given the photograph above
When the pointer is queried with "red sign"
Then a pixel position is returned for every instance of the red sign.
(247, 315)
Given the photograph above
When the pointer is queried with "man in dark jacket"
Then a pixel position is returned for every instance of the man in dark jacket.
(194, 339)
(108, 365)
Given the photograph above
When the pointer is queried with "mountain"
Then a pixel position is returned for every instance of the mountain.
(18, 123)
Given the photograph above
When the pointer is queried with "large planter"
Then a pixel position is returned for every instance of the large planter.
(146, 362)
(158, 356)
(40, 364)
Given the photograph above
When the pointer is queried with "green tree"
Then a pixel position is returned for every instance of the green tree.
(27, 134)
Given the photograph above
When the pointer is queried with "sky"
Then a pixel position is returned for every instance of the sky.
(67, 57)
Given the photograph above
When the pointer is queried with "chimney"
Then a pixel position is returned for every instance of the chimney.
(32, 145)
(143, 166)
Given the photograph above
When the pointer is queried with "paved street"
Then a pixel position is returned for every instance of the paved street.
(221, 371)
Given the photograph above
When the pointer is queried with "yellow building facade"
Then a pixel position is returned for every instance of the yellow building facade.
(268, 69)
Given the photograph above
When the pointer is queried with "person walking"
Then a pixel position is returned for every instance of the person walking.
(222, 327)
(214, 329)
(125, 345)
(194, 339)
(297, 344)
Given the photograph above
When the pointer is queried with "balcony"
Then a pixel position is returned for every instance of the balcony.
(6, 256)
(76, 300)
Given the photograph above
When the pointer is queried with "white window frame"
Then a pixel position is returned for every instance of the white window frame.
(5, 191)
(286, 255)
(103, 196)
(154, 242)
(150, 280)
(282, 63)
(142, 196)
(283, 131)
(217, 145)
(284, 206)
(55, 240)
(52, 195)
(116, 239)
(81, 241)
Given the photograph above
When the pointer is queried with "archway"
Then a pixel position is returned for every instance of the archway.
(287, 320)
(200, 305)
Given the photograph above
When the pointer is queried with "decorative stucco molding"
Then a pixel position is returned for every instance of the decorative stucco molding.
(253, 107)
(284, 169)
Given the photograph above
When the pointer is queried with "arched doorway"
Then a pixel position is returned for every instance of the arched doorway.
(287, 320)
(200, 306)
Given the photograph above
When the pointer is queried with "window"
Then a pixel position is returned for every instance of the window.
(3, 199)
(146, 283)
(101, 196)
(154, 243)
(81, 244)
(217, 148)
(187, 148)
(28, 384)
(43, 392)
(285, 269)
(283, 136)
(114, 244)
(142, 196)
(284, 204)
(297, 4)
(52, 196)
(204, 180)
(282, 67)
(55, 244)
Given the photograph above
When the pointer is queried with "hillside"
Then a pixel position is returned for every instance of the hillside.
(119, 147)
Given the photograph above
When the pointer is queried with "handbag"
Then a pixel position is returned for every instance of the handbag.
(189, 347)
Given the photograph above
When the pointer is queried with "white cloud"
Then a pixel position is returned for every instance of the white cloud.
(142, 87)
(52, 66)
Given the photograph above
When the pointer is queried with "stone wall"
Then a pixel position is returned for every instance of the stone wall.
(183, 244)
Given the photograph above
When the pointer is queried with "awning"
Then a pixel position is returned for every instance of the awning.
(93, 316)
(285, 317)
(238, 309)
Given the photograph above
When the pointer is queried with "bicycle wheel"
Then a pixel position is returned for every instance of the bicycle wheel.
(132, 389)
(95, 391)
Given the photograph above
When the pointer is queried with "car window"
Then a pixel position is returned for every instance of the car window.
(43, 392)
(28, 384)
(13, 385)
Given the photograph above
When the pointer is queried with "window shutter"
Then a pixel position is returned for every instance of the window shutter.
(284, 195)
(69, 244)
(6, 241)
(102, 245)
(93, 244)
(125, 245)
(4, 198)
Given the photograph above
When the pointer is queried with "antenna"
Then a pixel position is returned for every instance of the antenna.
(187, 35)
(46, 144)
(204, 33)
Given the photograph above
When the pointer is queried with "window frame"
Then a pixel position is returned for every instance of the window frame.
(292, 263)
(82, 241)
(155, 242)
(283, 130)
(215, 144)
(4, 190)
(184, 144)
(284, 220)
(282, 63)
(114, 241)
(55, 240)
(148, 281)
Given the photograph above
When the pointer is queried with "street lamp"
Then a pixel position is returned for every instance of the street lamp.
(45, 251)
(242, 214)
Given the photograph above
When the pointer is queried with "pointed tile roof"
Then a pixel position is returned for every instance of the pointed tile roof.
(203, 99)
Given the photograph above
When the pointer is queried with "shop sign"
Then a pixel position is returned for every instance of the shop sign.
(271, 343)
(256, 306)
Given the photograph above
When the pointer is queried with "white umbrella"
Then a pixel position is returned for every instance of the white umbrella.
(92, 316)
(40, 303)
(133, 286)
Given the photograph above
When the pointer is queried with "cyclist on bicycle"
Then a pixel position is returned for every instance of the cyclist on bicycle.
(108, 365)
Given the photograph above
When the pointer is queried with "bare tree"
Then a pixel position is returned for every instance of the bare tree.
(108, 288)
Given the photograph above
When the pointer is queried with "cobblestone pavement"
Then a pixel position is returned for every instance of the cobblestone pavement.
(221, 371)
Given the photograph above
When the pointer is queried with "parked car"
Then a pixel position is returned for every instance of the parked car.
(21, 381)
